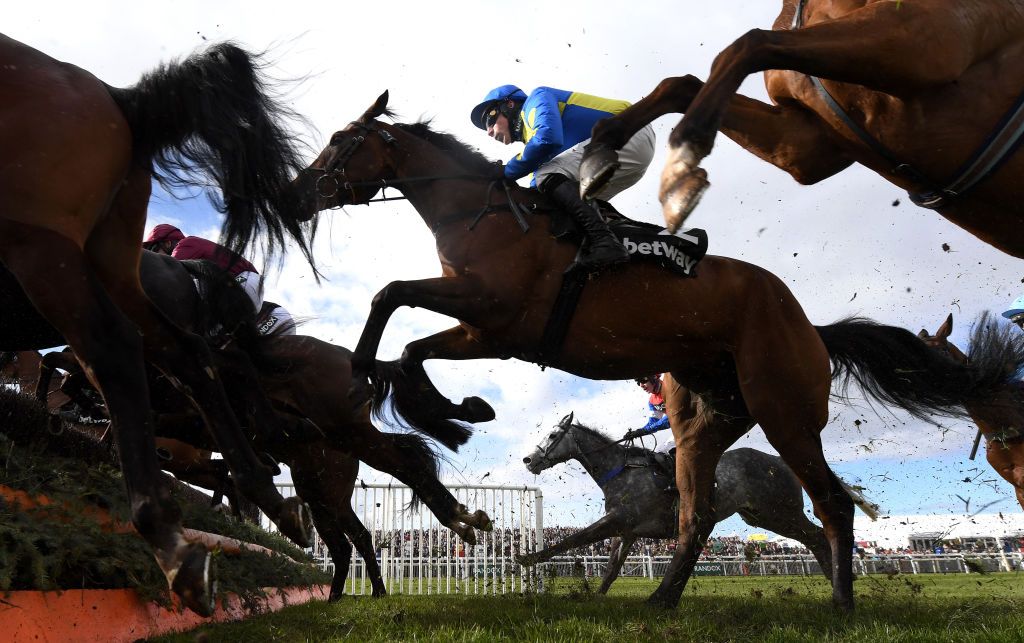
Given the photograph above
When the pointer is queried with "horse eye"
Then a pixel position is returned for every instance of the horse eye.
(337, 138)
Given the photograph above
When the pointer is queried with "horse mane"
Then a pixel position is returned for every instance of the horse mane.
(997, 348)
(472, 158)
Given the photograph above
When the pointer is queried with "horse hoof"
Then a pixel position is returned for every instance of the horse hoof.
(192, 581)
(481, 521)
(295, 521)
(597, 168)
(680, 195)
(477, 410)
(379, 592)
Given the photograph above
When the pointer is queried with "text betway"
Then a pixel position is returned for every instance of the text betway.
(660, 249)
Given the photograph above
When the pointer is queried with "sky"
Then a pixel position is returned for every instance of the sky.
(852, 244)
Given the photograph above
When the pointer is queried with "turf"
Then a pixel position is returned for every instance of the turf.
(958, 607)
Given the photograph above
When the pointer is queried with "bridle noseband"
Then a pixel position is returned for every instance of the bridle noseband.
(335, 168)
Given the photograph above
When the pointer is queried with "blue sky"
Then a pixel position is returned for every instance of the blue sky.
(849, 245)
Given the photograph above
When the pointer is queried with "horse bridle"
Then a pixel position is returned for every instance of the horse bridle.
(336, 168)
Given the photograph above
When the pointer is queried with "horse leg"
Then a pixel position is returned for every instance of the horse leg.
(700, 443)
(620, 550)
(187, 362)
(408, 458)
(457, 297)
(451, 344)
(610, 524)
(109, 348)
(781, 516)
(885, 46)
(326, 478)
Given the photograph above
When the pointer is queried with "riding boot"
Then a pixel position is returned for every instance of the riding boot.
(602, 248)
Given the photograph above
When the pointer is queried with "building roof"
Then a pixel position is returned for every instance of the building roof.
(895, 531)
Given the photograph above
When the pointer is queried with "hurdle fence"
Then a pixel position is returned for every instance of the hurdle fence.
(417, 555)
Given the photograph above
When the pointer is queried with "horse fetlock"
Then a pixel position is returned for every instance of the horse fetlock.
(465, 532)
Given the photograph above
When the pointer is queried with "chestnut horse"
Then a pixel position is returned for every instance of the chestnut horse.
(1001, 420)
(79, 158)
(928, 94)
(735, 336)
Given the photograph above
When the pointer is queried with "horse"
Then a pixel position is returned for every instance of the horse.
(79, 159)
(884, 84)
(738, 345)
(639, 504)
(1001, 421)
(300, 374)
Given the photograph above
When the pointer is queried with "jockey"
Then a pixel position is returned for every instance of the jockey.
(659, 419)
(555, 125)
(169, 240)
(1015, 312)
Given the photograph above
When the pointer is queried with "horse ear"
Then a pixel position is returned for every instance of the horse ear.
(923, 334)
(377, 109)
(566, 421)
(946, 329)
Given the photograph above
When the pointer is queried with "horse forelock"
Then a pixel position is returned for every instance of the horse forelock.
(468, 156)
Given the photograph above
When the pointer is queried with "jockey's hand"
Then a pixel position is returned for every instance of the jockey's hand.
(633, 434)
(496, 172)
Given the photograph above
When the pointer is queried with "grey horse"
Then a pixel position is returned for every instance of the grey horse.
(640, 495)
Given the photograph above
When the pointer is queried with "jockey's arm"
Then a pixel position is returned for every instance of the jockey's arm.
(542, 131)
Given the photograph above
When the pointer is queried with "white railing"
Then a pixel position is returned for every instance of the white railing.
(417, 555)
(797, 565)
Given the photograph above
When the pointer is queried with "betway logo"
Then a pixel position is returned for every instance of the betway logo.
(660, 249)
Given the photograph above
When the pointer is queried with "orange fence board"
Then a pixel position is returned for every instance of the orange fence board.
(111, 615)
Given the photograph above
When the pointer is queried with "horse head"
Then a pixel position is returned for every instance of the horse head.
(353, 167)
(554, 449)
(940, 341)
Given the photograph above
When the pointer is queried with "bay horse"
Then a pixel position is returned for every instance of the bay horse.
(79, 157)
(306, 378)
(638, 504)
(925, 93)
(1000, 421)
(736, 342)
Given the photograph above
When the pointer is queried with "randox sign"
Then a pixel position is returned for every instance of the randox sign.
(709, 569)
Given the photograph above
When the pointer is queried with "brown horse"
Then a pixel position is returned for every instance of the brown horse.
(308, 379)
(79, 157)
(897, 81)
(1001, 421)
(734, 335)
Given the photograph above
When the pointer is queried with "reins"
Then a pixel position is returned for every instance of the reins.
(336, 168)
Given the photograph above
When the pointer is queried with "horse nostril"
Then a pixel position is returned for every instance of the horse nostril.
(526, 460)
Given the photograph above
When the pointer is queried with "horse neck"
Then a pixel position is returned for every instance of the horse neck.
(596, 453)
(436, 200)
(1005, 411)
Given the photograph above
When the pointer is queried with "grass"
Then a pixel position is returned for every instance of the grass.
(958, 607)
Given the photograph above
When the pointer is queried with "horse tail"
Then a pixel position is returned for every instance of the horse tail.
(408, 409)
(870, 509)
(894, 367)
(210, 118)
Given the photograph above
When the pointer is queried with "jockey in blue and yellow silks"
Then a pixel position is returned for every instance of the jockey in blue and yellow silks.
(555, 125)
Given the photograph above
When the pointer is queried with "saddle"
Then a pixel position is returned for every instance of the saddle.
(678, 252)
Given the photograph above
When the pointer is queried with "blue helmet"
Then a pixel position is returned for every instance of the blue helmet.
(497, 94)
(1016, 308)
